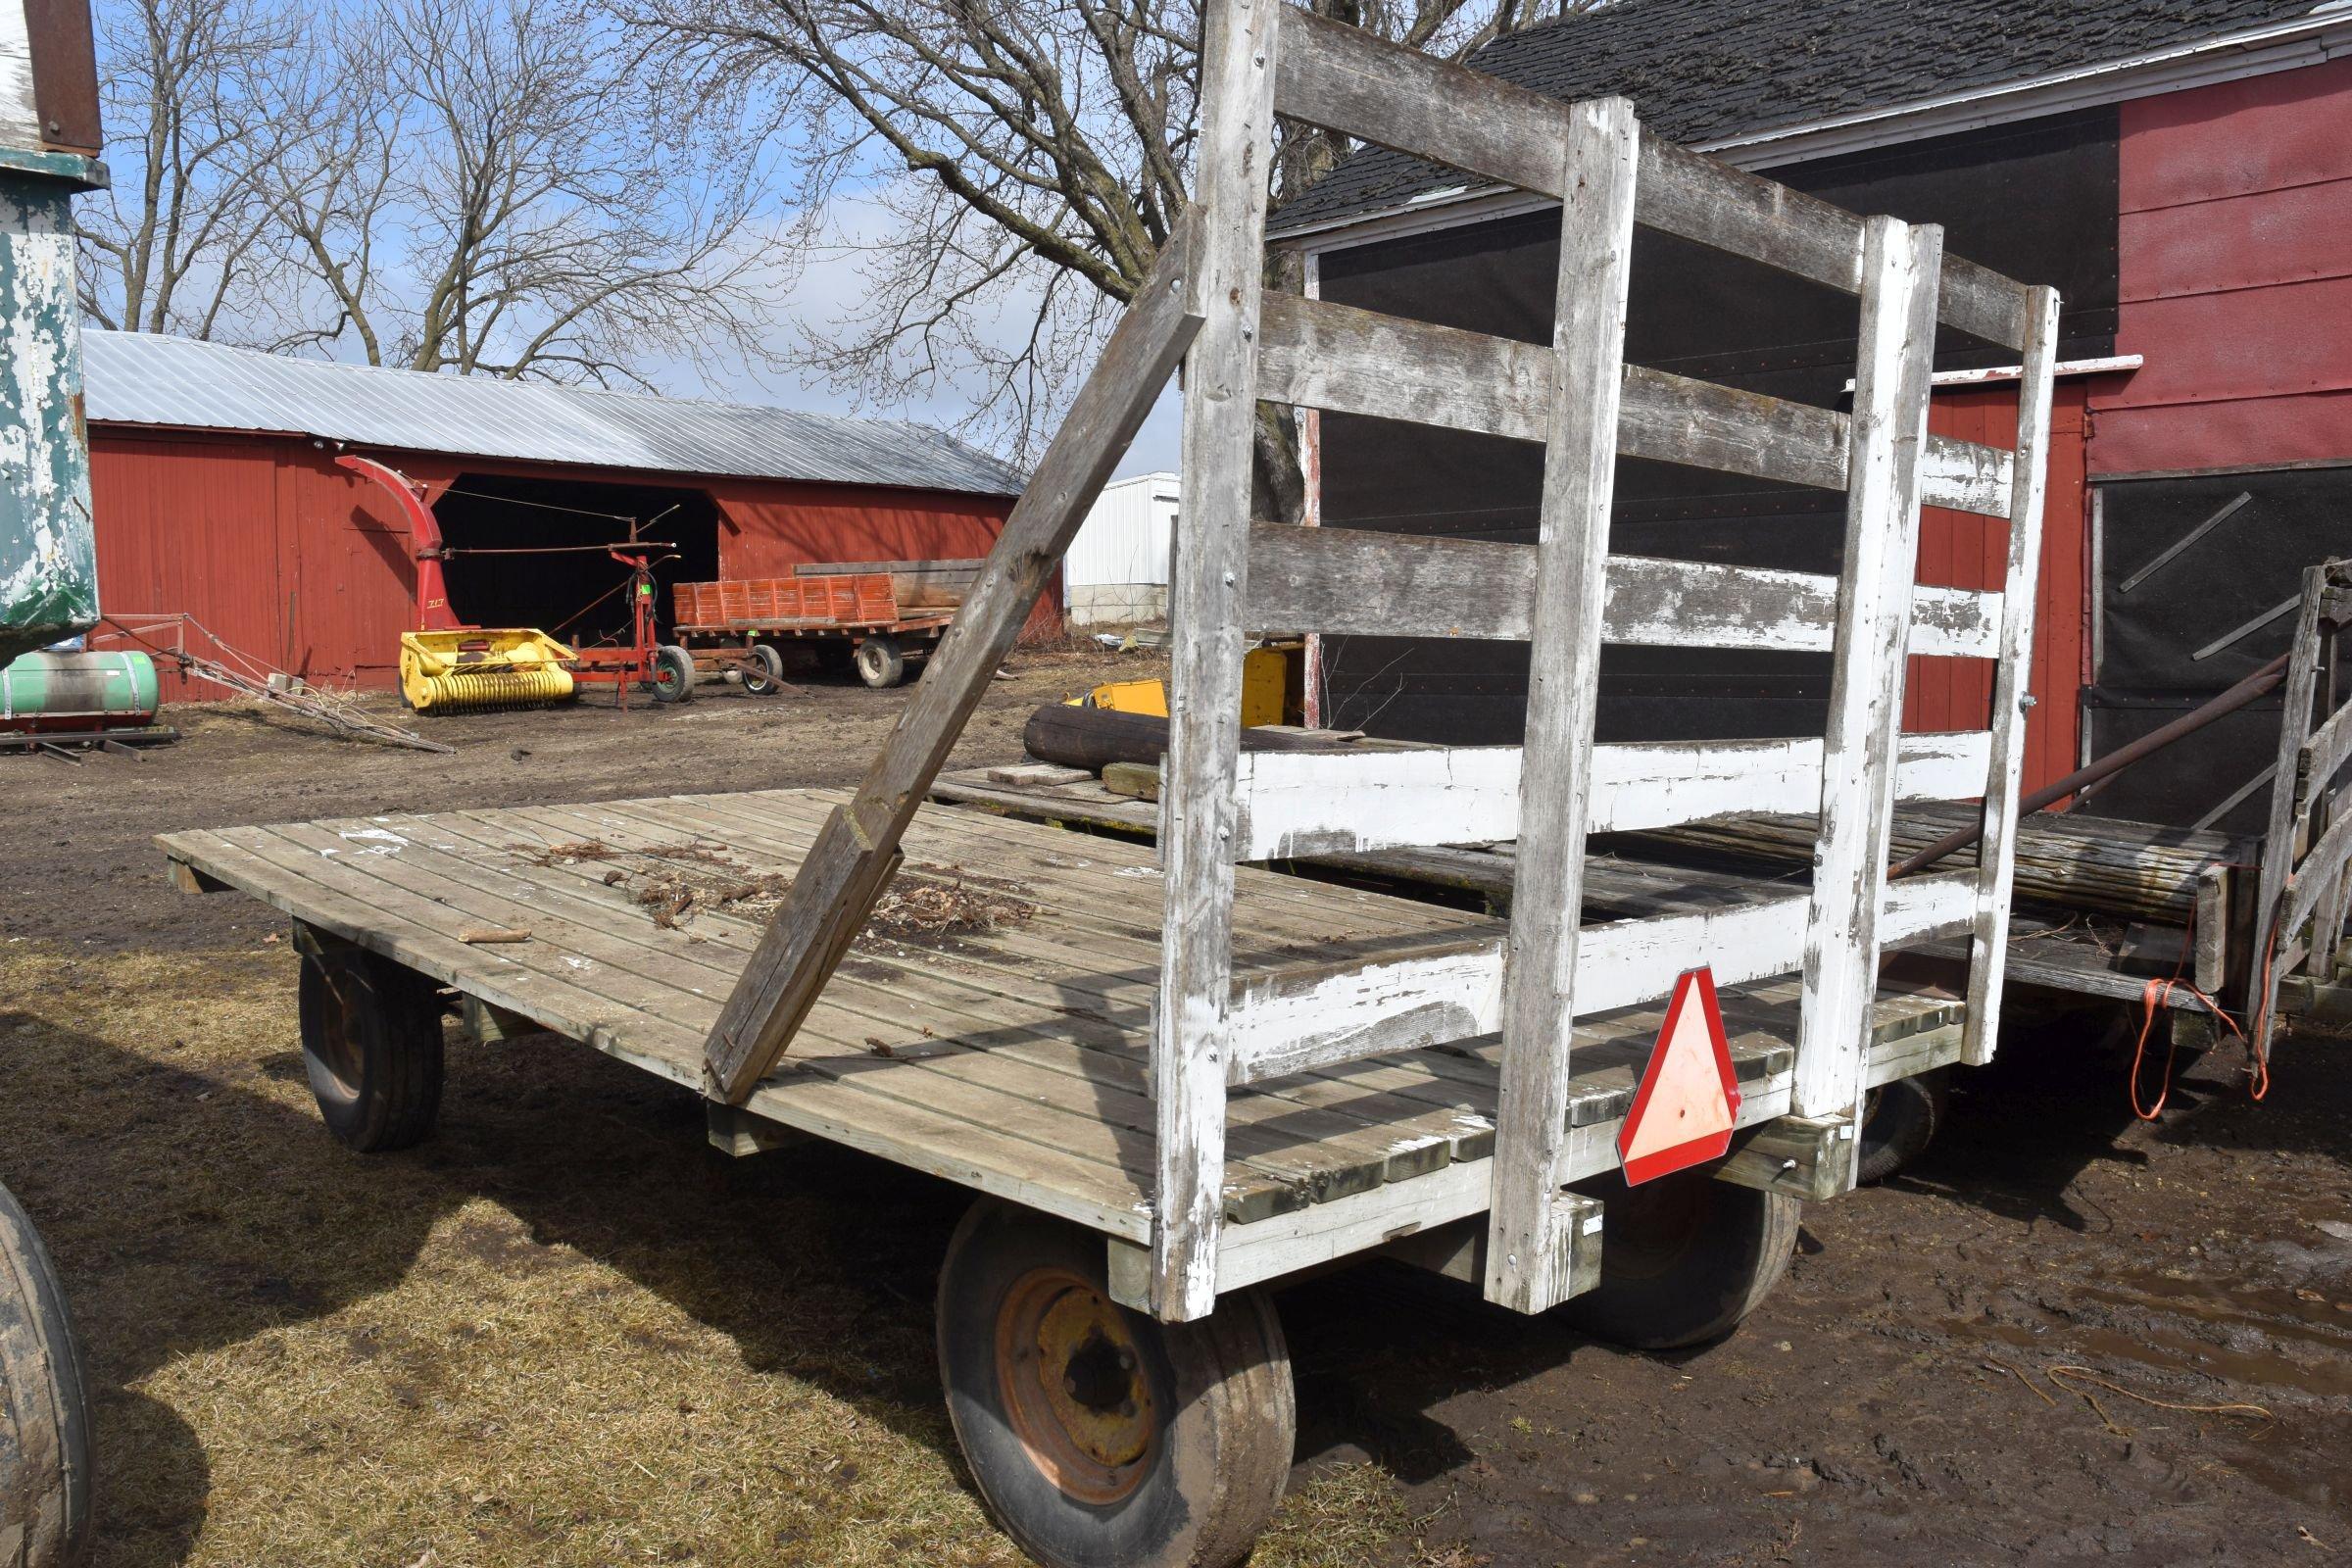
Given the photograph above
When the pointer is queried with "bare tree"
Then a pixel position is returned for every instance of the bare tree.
(1000, 172)
(480, 186)
(189, 94)
(496, 189)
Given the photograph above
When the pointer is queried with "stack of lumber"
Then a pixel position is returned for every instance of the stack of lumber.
(2132, 870)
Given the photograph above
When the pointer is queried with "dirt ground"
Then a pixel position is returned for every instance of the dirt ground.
(567, 1331)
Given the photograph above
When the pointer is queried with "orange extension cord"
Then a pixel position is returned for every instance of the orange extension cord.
(2158, 993)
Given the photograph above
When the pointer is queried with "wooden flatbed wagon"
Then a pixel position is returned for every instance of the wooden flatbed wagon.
(1175, 1076)
(884, 615)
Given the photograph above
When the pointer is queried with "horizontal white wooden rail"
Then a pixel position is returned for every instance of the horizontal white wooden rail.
(1320, 802)
(1250, 1254)
(1359, 583)
(1319, 355)
(1315, 1018)
(1345, 79)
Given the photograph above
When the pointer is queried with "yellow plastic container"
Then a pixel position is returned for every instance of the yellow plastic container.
(1264, 673)
(452, 672)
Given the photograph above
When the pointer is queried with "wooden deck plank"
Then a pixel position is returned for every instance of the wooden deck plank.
(1015, 1060)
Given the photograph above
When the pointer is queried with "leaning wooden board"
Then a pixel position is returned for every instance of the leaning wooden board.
(1010, 1060)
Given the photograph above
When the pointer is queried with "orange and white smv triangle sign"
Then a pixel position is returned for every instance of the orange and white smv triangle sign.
(1689, 1101)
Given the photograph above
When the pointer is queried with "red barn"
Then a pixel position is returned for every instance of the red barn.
(215, 494)
(2181, 173)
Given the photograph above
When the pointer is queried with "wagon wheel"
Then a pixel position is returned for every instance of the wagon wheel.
(765, 678)
(372, 1040)
(44, 1407)
(1095, 1435)
(1684, 1259)
(881, 661)
(673, 674)
(1899, 1119)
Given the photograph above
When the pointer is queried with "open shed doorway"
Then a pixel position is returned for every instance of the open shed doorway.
(579, 594)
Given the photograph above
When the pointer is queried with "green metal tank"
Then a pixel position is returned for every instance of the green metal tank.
(50, 691)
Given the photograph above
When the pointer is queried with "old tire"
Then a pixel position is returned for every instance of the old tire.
(1095, 1435)
(673, 674)
(1684, 1259)
(765, 678)
(44, 1407)
(881, 661)
(372, 1040)
(1899, 1120)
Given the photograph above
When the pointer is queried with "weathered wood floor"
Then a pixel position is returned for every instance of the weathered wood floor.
(1010, 1060)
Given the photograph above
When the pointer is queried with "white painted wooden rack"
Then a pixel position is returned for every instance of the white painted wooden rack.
(1566, 596)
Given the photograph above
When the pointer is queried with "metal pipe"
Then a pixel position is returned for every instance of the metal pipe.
(2246, 691)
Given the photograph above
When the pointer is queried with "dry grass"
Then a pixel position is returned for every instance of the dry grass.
(563, 1332)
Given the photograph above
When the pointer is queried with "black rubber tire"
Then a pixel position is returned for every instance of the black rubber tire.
(673, 674)
(372, 1042)
(1684, 1259)
(44, 1407)
(1899, 1120)
(771, 678)
(1223, 1416)
(881, 661)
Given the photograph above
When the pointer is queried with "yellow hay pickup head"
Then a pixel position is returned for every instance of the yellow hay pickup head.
(456, 671)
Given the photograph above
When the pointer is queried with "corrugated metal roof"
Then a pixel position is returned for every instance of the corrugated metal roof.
(144, 378)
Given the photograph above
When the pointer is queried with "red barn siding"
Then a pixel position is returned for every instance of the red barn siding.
(1957, 550)
(307, 568)
(2235, 280)
(260, 538)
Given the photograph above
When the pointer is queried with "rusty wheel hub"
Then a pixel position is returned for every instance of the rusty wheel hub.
(1074, 1386)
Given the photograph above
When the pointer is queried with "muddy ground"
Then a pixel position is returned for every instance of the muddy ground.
(567, 1331)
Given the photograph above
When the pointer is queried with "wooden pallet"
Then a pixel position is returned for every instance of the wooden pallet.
(1014, 1061)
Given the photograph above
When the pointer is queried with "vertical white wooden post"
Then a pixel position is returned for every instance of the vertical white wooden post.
(2281, 844)
(1528, 1248)
(1191, 1028)
(1997, 860)
(1901, 266)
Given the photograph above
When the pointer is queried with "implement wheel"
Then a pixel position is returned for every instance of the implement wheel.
(881, 661)
(1899, 1120)
(765, 676)
(1097, 1435)
(673, 674)
(1684, 1259)
(44, 1407)
(371, 1040)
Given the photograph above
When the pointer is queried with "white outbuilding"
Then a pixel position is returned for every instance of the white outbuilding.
(1117, 572)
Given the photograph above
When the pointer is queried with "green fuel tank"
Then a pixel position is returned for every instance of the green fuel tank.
(51, 692)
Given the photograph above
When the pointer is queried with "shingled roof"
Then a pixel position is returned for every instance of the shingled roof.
(1703, 71)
